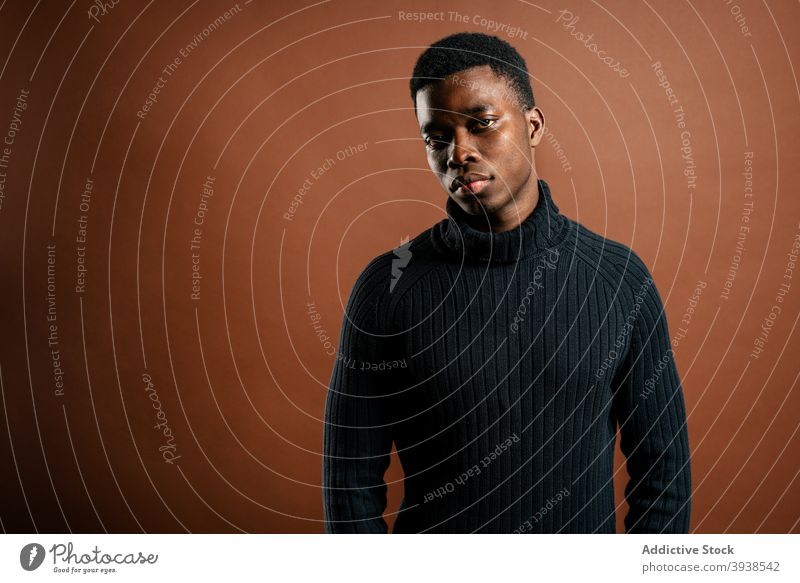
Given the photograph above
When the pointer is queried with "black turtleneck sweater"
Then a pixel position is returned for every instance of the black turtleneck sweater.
(501, 366)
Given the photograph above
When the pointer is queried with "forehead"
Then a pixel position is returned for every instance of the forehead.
(464, 92)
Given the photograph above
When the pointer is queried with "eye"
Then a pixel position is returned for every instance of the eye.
(485, 122)
(435, 142)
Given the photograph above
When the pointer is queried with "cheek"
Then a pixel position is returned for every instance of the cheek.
(507, 153)
(437, 162)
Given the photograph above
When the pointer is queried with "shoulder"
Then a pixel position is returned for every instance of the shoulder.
(616, 262)
(386, 276)
(376, 276)
(372, 281)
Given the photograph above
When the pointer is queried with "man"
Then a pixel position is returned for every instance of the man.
(500, 349)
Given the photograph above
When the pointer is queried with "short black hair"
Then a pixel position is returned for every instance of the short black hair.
(464, 50)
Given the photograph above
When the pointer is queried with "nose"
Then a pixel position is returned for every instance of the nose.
(461, 151)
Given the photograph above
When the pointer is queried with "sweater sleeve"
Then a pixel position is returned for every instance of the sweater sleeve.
(357, 432)
(649, 407)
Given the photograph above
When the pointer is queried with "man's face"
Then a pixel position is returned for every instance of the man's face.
(476, 132)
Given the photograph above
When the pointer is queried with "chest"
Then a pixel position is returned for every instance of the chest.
(556, 331)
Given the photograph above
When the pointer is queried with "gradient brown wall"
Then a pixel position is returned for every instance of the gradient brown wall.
(258, 104)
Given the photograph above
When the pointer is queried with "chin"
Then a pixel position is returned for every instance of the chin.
(480, 204)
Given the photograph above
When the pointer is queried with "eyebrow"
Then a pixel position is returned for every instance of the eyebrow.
(479, 108)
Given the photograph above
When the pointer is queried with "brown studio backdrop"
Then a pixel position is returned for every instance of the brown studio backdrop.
(258, 104)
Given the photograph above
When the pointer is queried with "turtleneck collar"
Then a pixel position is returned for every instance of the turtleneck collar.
(542, 229)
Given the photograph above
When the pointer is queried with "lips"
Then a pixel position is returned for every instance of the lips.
(470, 183)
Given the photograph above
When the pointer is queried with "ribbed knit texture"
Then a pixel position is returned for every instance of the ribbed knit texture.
(501, 365)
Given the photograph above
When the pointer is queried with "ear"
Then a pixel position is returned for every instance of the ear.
(535, 121)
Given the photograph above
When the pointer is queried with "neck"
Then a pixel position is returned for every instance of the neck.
(524, 234)
(507, 218)
(513, 213)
